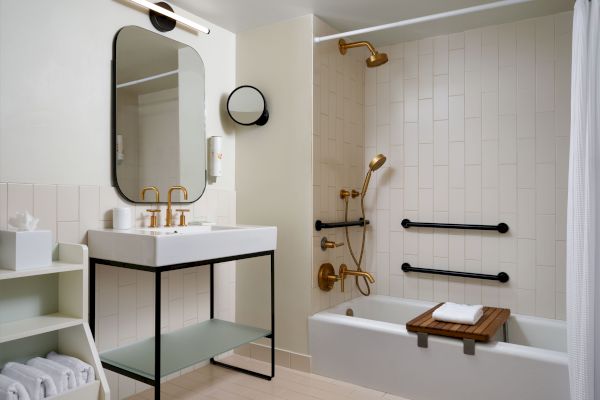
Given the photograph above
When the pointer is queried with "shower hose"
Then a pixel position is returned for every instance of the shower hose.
(358, 261)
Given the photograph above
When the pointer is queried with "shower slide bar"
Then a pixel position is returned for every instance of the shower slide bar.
(501, 277)
(329, 225)
(501, 227)
(425, 18)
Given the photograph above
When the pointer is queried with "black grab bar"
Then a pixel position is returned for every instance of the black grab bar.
(328, 225)
(502, 276)
(501, 227)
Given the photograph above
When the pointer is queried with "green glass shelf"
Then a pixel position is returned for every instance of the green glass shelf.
(182, 348)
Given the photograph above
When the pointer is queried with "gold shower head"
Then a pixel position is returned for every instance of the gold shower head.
(376, 163)
(376, 59)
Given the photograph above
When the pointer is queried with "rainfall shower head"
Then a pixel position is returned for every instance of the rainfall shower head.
(375, 59)
(376, 163)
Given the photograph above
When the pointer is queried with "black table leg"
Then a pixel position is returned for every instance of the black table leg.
(157, 324)
(272, 314)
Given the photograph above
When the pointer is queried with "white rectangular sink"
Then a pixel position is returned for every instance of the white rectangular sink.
(157, 247)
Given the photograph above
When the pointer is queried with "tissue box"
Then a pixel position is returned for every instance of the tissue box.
(25, 249)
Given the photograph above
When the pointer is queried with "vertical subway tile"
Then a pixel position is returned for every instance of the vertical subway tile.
(426, 76)
(507, 139)
(472, 141)
(411, 100)
(456, 72)
(440, 55)
(44, 207)
(67, 203)
(456, 121)
(19, 198)
(425, 121)
(440, 142)
(440, 97)
(489, 116)
(456, 162)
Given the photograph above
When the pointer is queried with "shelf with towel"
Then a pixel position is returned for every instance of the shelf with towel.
(501, 276)
(44, 310)
(501, 227)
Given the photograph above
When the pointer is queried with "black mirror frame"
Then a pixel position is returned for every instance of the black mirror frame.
(264, 117)
(113, 128)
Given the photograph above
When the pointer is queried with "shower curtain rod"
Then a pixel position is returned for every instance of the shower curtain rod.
(426, 18)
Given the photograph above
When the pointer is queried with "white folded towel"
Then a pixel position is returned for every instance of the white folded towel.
(458, 313)
(84, 373)
(63, 377)
(37, 383)
(11, 389)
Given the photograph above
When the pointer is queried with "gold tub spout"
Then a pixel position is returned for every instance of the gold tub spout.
(344, 271)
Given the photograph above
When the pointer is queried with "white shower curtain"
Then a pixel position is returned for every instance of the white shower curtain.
(583, 214)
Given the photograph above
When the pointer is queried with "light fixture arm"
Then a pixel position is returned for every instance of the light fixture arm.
(165, 10)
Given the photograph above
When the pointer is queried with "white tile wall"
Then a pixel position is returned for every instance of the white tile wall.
(485, 140)
(338, 157)
(125, 299)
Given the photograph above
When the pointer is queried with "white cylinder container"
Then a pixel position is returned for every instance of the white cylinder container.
(215, 156)
(121, 218)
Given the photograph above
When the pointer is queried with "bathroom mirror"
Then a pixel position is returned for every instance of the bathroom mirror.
(246, 105)
(159, 134)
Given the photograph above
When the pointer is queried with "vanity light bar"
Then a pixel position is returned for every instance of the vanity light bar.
(172, 15)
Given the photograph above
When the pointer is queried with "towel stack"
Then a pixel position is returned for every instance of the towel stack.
(41, 377)
(458, 313)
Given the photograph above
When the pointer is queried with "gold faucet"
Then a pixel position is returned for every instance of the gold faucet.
(154, 211)
(344, 271)
(327, 276)
(169, 221)
(154, 189)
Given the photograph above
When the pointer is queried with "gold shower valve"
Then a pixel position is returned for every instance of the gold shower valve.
(344, 194)
(329, 244)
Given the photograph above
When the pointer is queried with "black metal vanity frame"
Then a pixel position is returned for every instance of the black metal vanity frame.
(157, 312)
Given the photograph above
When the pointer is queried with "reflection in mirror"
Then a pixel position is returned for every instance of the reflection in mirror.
(159, 115)
(247, 106)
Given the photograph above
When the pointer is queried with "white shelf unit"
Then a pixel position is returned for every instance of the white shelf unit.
(46, 309)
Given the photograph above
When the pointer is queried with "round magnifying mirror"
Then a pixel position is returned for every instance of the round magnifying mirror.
(247, 106)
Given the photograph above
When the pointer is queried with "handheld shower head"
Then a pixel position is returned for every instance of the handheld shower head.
(376, 163)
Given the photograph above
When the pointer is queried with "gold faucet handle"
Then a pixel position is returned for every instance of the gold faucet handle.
(182, 216)
(328, 244)
(154, 217)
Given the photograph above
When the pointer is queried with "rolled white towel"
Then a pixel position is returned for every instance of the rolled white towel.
(37, 383)
(458, 313)
(63, 377)
(84, 373)
(11, 389)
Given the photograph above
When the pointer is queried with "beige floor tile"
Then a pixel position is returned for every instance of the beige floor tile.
(216, 383)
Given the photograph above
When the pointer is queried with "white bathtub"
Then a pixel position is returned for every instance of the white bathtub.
(374, 349)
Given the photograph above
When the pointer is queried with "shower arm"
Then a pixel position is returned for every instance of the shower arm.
(360, 44)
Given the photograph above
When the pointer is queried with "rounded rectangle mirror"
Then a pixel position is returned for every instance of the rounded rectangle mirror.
(159, 133)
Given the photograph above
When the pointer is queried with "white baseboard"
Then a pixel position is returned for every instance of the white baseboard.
(284, 358)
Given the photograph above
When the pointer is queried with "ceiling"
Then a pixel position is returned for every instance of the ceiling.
(344, 15)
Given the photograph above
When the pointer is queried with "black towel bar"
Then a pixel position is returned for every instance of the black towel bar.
(328, 225)
(502, 276)
(501, 227)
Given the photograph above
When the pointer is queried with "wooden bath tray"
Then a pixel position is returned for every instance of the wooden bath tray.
(483, 331)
